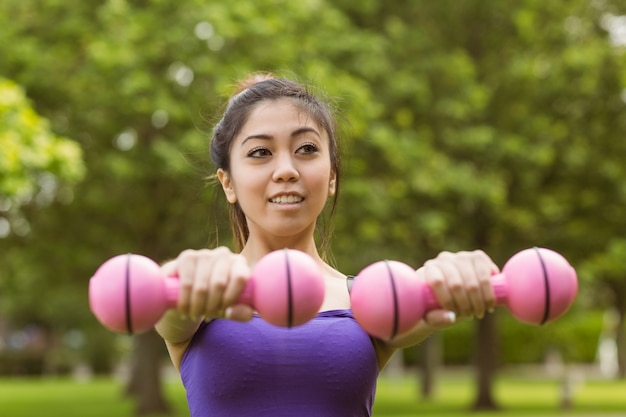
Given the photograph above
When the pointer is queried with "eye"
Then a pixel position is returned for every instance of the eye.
(307, 148)
(259, 152)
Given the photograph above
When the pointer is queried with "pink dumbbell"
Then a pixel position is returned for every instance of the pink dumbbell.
(129, 293)
(537, 285)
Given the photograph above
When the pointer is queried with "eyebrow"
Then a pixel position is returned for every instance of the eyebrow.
(295, 133)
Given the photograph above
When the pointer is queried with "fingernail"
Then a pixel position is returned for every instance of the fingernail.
(228, 312)
(451, 316)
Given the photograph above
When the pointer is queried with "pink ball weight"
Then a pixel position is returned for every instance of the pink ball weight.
(541, 285)
(128, 293)
(288, 287)
(385, 299)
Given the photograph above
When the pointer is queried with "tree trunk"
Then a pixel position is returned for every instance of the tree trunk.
(486, 362)
(144, 384)
(430, 361)
(620, 340)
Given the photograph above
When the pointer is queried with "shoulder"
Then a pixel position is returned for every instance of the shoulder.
(332, 272)
(337, 294)
(335, 276)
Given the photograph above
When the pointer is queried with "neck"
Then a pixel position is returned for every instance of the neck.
(256, 248)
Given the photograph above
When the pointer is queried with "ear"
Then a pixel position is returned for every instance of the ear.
(227, 185)
(332, 184)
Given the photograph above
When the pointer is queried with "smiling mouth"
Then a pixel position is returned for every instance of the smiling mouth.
(287, 199)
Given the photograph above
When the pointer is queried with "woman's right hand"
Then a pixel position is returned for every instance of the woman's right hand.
(211, 281)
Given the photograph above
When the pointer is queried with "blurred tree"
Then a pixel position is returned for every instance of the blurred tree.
(470, 125)
(36, 165)
(500, 127)
(38, 170)
(608, 268)
(132, 82)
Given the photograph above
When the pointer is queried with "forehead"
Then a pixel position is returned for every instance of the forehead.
(277, 115)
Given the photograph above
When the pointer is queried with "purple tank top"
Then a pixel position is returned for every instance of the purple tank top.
(325, 367)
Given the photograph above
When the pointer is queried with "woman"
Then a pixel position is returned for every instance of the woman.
(277, 162)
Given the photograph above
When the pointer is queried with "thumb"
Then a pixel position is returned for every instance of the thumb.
(440, 319)
(239, 312)
(169, 269)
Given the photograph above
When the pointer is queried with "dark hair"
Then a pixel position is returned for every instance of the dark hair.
(251, 91)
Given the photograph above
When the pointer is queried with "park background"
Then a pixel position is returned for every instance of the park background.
(466, 124)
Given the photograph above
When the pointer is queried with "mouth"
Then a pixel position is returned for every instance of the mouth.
(286, 199)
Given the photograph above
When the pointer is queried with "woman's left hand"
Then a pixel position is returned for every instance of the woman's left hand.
(461, 283)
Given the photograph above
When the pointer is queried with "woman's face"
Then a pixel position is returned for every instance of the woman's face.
(280, 170)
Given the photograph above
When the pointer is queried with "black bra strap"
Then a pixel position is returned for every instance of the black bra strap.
(350, 282)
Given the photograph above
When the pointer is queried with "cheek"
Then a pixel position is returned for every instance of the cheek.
(320, 179)
(248, 187)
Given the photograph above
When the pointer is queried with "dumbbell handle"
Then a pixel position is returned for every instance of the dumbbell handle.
(498, 284)
(172, 291)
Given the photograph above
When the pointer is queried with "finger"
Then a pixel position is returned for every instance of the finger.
(184, 267)
(440, 319)
(219, 276)
(477, 276)
(486, 270)
(456, 282)
(469, 268)
(202, 276)
(450, 267)
(239, 275)
(169, 269)
(473, 293)
(239, 312)
(435, 277)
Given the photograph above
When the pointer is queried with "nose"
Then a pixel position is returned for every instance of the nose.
(285, 169)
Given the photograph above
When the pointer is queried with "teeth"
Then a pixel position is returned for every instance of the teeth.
(286, 199)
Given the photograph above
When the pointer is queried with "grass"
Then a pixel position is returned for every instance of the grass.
(515, 396)
(396, 397)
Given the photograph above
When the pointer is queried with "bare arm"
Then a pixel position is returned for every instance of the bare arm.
(210, 283)
(177, 332)
(434, 320)
(175, 329)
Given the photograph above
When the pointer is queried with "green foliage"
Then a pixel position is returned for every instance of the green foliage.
(574, 339)
(605, 271)
(34, 159)
(466, 125)
(493, 132)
